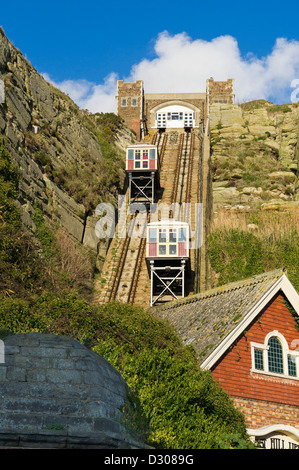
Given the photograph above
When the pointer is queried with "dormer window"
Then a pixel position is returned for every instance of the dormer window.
(274, 357)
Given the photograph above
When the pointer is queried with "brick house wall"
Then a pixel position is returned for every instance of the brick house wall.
(263, 399)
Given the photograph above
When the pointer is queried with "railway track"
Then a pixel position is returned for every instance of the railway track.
(124, 275)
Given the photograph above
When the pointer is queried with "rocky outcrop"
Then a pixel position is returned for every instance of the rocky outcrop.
(56, 393)
(254, 155)
(51, 140)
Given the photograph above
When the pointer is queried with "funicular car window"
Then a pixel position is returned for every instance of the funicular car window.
(152, 154)
(152, 235)
(182, 234)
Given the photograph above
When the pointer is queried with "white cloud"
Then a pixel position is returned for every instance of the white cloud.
(183, 65)
(89, 95)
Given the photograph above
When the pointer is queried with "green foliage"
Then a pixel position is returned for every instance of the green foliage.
(14, 254)
(184, 407)
(176, 404)
(9, 184)
(235, 254)
(94, 179)
(43, 232)
(280, 108)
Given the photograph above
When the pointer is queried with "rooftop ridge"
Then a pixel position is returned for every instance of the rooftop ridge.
(258, 278)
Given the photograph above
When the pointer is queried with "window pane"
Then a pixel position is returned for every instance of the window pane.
(145, 164)
(172, 249)
(152, 154)
(137, 154)
(152, 235)
(131, 154)
(258, 359)
(292, 366)
(137, 164)
(275, 359)
(162, 249)
(182, 234)
(162, 235)
(172, 235)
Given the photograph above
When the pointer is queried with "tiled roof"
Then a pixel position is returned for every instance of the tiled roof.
(204, 320)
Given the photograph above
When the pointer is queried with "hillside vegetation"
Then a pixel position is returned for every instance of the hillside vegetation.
(177, 404)
(254, 160)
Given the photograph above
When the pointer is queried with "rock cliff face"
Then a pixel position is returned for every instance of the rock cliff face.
(55, 145)
(255, 155)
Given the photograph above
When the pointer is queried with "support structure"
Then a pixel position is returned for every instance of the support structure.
(168, 280)
(142, 187)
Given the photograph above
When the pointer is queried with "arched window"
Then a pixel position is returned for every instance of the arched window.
(274, 357)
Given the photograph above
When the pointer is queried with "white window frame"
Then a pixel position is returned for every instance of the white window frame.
(285, 353)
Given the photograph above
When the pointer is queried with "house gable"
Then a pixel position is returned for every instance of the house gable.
(236, 372)
(282, 284)
(211, 321)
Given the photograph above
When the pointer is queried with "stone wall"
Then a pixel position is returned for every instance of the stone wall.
(254, 155)
(56, 393)
(220, 91)
(155, 101)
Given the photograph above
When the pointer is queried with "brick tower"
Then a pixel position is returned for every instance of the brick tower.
(130, 105)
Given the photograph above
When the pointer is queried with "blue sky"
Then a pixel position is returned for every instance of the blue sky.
(84, 47)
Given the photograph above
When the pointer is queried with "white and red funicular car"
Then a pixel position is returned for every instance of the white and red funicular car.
(168, 259)
(142, 168)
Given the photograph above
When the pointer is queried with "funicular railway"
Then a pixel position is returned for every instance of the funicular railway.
(128, 274)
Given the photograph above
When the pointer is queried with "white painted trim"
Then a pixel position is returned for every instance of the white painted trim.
(285, 352)
(291, 431)
(283, 284)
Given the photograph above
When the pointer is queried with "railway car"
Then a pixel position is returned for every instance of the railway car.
(168, 259)
(142, 157)
(142, 168)
(167, 239)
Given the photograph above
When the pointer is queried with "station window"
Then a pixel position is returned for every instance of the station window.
(124, 102)
(134, 102)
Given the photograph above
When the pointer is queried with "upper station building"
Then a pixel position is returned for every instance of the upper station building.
(143, 112)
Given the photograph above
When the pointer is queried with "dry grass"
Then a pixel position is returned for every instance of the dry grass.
(73, 258)
(270, 225)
